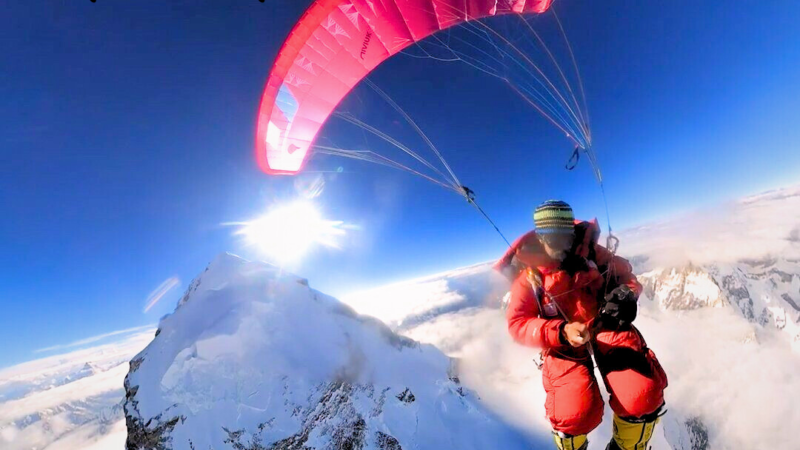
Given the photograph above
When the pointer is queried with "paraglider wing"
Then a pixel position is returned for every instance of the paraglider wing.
(334, 45)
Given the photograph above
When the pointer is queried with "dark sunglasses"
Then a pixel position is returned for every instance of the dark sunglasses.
(558, 240)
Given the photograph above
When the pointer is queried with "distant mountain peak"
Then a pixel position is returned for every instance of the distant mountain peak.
(765, 291)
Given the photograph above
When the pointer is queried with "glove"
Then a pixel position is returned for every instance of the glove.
(619, 309)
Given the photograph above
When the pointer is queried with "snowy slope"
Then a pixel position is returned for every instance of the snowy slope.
(69, 401)
(253, 358)
(766, 292)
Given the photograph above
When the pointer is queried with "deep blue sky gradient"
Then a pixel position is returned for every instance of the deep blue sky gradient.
(126, 136)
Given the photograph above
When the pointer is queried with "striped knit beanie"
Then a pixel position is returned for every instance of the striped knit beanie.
(554, 216)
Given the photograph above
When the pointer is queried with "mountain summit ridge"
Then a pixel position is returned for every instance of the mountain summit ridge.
(252, 358)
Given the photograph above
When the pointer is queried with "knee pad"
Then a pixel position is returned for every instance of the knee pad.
(570, 442)
(632, 434)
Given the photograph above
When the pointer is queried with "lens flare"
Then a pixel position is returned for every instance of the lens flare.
(161, 291)
(287, 232)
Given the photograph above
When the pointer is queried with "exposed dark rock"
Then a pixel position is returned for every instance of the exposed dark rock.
(785, 277)
(761, 262)
(764, 318)
(378, 409)
(135, 363)
(155, 434)
(406, 396)
(698, 434)
(334, 415)
(351, 436)
(790, 300)
(386, 442)
(738, 294)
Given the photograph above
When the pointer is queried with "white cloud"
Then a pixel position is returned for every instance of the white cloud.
(751, 228)
(71, 400)
(741, 379)
(92, 339)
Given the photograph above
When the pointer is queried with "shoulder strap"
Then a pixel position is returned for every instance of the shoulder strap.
(587, 234)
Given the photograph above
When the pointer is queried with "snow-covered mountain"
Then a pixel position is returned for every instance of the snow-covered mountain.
(69, 401)
(746, 258)
(252, 358)
(766, 292)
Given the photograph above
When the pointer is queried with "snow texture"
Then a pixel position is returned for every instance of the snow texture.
(69, 401)
(253, 358)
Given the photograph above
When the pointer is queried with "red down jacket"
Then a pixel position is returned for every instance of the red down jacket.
(631, 372)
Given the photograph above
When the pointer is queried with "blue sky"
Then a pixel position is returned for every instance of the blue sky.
(127, 132)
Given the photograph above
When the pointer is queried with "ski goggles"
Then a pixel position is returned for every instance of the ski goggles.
(558, 241)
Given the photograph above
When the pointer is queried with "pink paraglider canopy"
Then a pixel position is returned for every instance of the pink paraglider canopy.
(334, 45)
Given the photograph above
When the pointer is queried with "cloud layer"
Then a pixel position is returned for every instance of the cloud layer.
(751, 228)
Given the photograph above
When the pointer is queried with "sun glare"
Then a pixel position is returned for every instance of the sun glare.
(287, 232)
